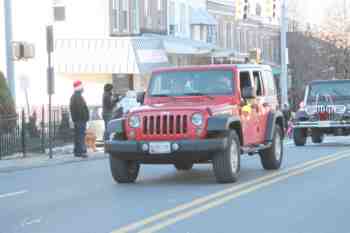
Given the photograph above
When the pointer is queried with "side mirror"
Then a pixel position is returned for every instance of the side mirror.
(248, 93)
(141, 97)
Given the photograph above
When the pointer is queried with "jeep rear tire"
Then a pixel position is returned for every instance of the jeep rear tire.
(271, 158)
(226, 164)
(183, 166)
(299, 136)
(317, 136)
(124, 171)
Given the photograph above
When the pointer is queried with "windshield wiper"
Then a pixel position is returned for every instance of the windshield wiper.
(164, 95)
(199, 94)
(160, 95)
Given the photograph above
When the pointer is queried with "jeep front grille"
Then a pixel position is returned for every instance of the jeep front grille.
(164, 125)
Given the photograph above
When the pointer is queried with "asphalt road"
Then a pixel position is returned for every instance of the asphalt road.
(310, 194)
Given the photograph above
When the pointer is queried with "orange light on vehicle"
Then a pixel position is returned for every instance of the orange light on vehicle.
(132, 135)
(199, 132)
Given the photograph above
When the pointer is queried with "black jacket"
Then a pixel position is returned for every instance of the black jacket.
(108, 103)
(78, 108)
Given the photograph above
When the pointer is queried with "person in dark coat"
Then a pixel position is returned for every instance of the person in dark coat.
(108, 104)
(80, 116)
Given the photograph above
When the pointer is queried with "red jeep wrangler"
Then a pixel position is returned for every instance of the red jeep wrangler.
(200, 114)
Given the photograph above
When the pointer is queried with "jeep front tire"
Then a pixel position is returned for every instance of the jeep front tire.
(183, 166)
(124, 171)
(226, 164)
(271, 158)
(299, 136)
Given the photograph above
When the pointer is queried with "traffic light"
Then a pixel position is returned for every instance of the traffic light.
(22, 51)
(246, 9)
(274, 9)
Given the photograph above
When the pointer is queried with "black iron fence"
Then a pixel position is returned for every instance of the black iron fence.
(24, 133)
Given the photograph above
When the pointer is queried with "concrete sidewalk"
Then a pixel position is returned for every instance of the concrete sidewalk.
(61, 155)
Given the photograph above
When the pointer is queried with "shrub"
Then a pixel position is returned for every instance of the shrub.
(7, 105)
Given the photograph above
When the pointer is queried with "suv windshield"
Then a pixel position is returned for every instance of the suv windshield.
(329, 92)
(192, 83)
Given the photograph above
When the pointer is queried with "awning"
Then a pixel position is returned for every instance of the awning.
(183, 46)
(134, 55)
(201, 16)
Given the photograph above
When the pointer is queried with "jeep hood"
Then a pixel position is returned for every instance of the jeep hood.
(207, 106)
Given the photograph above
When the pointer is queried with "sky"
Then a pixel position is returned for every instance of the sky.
(315, 9)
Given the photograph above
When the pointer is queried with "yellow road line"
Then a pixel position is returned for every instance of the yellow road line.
(232, 196)
(199, 201)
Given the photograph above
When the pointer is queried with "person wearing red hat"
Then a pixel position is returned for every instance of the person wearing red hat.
(80, 116)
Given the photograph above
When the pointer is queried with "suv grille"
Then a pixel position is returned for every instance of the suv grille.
(164, 125)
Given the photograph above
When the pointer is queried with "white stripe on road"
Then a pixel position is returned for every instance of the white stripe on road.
(13, 194)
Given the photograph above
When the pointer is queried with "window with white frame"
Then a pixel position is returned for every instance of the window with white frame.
(146, 8)
(237, 40)
(228, 35)
(124, 15)
(172, 25)
(242, 41)
(211, 34)
(183, 18)
(125, 18)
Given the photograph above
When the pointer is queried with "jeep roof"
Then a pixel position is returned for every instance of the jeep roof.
(214, 66)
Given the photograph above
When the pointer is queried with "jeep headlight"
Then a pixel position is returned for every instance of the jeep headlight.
(134, 121)
(311, 110)
(197, 119)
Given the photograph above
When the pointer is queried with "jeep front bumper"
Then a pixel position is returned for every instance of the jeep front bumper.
(188, 150)
(321, 124)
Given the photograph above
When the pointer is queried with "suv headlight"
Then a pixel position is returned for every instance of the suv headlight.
(340, 109)
(348, 108)
(134, 121)
(197, 119)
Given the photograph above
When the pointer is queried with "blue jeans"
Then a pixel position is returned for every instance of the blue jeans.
(106, 119)
(79, 138)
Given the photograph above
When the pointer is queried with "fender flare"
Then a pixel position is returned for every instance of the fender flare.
(272, 119)
(221, 123)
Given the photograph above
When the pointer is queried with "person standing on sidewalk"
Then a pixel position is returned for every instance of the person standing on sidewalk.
(80, 116)
(108, 104)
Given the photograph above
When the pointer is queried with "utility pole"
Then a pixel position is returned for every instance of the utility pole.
(50, 79)
(8, 43)
(284, 54)
(345, 15)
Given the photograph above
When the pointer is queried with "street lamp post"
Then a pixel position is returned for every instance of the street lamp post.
(8, 42)
(284, 60)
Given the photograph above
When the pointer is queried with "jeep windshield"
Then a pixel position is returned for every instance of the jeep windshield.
(192, 83)
(329, 93)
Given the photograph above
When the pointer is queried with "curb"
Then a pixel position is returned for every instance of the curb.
(51, 163)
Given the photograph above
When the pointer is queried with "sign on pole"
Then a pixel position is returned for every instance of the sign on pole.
(49, 39)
